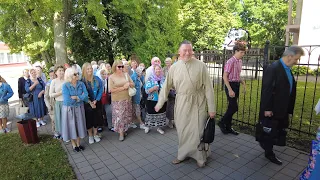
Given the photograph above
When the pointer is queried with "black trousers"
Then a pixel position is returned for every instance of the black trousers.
(232, 104)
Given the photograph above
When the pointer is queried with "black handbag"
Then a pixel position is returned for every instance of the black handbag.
(28, 97)
(209, 131)
(208, 135)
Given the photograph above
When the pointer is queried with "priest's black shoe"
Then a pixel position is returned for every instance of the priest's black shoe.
(232, 131)
(222, 127)
(274, 159)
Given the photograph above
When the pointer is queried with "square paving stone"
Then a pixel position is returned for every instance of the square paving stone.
(109, 162)
(152, 158)
(82, 164)
(254, 166)
(280, 176)
(217, 175)
(149, 167)
(196, 175)
(245, 170)
(176, 174)
(119, 172)
(138, 172)
(81, 159)
(114, 166)
(156, 173)
(267, 171)
(225, 170)
(131, 167)
(289, 172)
(145, 177)
(89, 175)
(206, 170)
(107, 176)
(142, 162)
(168, 168)
(159, 163)
(126, 162)
(237, 175)
(98, 166)
(258, 175)
(85, 169)
(164, 177)
(102, 171)
(126, 177)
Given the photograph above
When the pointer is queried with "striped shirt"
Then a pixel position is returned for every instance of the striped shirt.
(233, 67)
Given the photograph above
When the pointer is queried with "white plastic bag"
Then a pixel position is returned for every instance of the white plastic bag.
(317, 108)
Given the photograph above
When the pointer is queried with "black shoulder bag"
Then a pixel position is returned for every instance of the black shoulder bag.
(28, 97)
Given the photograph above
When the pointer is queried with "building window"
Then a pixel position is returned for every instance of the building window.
(10, 58)
(2, 58)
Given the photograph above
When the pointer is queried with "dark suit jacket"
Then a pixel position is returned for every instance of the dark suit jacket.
(276, 96)
(21, 87)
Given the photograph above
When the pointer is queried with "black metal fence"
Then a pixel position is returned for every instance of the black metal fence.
(304, 120)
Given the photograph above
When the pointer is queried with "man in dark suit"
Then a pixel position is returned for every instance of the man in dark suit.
(277, 102)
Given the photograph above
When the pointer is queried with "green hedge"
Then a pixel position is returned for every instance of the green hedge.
(303, 70)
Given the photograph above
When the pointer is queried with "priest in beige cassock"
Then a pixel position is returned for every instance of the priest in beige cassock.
(194, 100)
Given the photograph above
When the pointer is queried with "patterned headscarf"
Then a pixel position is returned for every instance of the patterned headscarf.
(139, 70)
(154, 77)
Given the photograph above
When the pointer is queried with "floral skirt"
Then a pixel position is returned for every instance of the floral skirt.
(121, 115)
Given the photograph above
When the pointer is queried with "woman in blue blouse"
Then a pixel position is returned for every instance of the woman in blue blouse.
(73, 122)
(153, 86)
(35, 85)
(5, 93)
(92, 107)
(137, 80)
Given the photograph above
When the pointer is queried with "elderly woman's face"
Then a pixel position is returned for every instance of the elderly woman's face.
(108, 66)
(38, 71)
(157, 70)
(157, 61)
(104, 75)
(168, 63)
(26, 73)
(89, 70)
(33, 74)
(134, 65)
(120, 67)
(75, 76)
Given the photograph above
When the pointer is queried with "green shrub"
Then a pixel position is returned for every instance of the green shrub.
(300, 70)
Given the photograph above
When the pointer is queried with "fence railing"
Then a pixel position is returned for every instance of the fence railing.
(304, 120)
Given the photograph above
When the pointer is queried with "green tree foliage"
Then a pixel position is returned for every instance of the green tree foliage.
(206, 23)
(264, 19)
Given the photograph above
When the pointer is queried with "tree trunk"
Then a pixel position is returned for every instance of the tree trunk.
(59, 23)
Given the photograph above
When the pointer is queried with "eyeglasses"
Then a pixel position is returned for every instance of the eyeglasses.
(76, 74)
(120, 67)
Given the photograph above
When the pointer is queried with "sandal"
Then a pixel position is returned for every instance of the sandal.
(176, 161)
(201, 165)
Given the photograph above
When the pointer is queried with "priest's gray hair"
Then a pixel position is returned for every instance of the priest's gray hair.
(185, 42)
(293, 50)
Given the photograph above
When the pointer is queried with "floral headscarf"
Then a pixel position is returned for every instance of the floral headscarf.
(154, 77)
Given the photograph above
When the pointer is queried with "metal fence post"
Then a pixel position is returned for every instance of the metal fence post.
(266, 56)
(223, 63)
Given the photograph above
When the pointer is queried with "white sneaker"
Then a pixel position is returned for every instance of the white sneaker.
(97, 139)
(146, 130)
(142, 126)
(91, 140)
(38, 124)
(42, 123)
(7, 130)
(132, 125)
(160, 131)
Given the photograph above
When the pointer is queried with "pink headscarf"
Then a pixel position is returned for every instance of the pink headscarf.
(154, 77)
(153, 60)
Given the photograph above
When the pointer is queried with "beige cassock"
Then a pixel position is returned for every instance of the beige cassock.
(194, 99)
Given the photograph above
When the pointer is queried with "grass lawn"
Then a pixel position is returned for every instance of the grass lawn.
(46, 160)
(304, 117)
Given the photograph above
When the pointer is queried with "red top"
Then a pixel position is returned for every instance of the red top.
(233, 67)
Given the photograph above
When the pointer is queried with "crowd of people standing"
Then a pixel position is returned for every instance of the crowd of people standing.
(81, 101)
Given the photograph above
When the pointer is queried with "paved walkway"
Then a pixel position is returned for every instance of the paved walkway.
(148, 156)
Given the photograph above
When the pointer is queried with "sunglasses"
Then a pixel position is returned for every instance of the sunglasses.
(120, 67)
(76, 74)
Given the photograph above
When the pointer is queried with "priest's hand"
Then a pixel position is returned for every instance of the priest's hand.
(212, 114)
(156, 108)
(268, 114)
